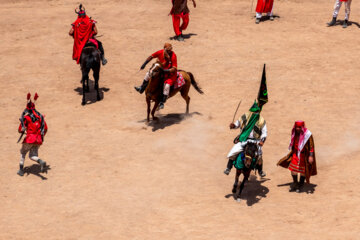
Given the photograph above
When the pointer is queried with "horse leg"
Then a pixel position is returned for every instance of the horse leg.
(96, 78)
(246, 177)
(154, 109)
(236, 182)
(87, 83)
(83, 86)
(185, 95)
(148, 109)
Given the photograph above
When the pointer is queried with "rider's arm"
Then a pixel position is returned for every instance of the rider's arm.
(235, 125)
(263, 133)
(173, 69)
(194, 3)
(146, 62)
(71, 32)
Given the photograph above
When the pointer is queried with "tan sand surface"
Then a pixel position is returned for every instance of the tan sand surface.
(113, 176)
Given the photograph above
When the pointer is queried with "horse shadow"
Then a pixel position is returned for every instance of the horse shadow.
(170, 119)
(253, 191)
(35, 170)
(90, 96)
(185, 36)
(308, 188)
(341, 22)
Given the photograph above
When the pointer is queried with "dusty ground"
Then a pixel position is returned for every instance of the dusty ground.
(114, 177)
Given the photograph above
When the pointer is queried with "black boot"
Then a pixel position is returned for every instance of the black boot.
(301, 184)
(333, 22)
(294, 185)
(228, 167)
(142, 88)
(164, 98)
(102, 53)
(21, 170)
(259, 167)
(345, 25)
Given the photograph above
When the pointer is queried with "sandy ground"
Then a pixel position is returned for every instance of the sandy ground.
(113, 176)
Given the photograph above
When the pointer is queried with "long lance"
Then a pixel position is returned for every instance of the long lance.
(236, 110)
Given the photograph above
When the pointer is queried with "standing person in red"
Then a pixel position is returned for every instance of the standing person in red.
(168, 60)
(179, 11)
(35, 126)
(264, 6)
(83, 30)
(301, 159)
(337, 7)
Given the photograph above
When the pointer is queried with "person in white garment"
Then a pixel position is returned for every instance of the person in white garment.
(337, 7)
(252, 127)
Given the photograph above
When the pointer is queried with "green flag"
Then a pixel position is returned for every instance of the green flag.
(263, 94)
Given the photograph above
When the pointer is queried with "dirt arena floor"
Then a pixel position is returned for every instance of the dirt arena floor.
(112, 176)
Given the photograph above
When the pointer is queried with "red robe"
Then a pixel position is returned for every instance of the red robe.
(83, 31)
(264, 6)
(33, 133)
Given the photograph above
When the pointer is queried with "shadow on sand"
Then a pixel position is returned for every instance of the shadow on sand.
(90, 97)
(253, 191)
(35, 170)
(185, 36)
(341, 22)
(168, 120)
(308, 188)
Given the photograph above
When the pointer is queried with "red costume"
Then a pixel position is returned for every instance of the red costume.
(297, 144)
(83, 31)
(179, 11)
(264, 6)
(170, 78)
(34, 123)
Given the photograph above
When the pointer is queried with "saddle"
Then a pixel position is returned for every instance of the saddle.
(180, 81)
(92, 43)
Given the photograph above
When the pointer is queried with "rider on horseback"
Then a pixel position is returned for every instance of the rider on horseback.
(253, 127)
(83, 30)
(168, 60)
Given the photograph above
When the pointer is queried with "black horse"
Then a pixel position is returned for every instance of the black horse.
(90, 59)
(248, 164)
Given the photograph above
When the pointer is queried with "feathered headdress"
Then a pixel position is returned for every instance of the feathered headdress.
(31, 104)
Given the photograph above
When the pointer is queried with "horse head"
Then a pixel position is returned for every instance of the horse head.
(156, 74)
(251, 152)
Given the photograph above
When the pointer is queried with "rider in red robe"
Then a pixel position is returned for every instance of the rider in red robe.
(168, 60)
(264, 6)
(83, 30)
(35, 126)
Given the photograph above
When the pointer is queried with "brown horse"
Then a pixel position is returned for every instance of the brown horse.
(154, 89)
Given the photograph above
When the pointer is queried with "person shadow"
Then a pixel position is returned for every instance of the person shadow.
(253, 191)
(308, 188)
(168, 120)
(90, 96)
(35, 170)
(185, 36)
(341, 22)
(267, 18)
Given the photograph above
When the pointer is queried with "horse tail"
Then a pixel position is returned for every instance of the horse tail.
(194, 83)
(90, 62)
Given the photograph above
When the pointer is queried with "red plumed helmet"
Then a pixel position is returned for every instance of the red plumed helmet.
(31, 105)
